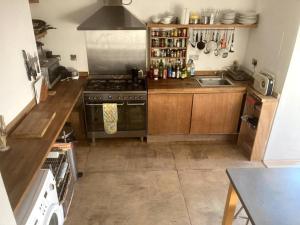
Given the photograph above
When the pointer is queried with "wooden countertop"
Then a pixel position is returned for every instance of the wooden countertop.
(20, 164)
(189, 86)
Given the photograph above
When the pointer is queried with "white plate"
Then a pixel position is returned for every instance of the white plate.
(227, 21)
(247, 22)
(247, 13)
(247, 17)
(229, 17)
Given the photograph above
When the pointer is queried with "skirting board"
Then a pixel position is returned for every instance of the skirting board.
(281, 163)
(216, 138)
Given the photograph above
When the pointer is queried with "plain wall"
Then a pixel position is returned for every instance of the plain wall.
(66, 39)
(272, 43)
(16, 34)
(6, 213)
(284, 142)
(67, 15)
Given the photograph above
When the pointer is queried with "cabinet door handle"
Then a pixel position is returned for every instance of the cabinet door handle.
(101, 104)
(136, 104)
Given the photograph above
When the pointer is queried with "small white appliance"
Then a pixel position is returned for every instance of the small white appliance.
(40, 205)
(263, 83)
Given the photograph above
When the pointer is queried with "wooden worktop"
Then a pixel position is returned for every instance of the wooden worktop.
(20, 164)
(188, 86)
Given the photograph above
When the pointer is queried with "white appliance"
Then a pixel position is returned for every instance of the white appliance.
(263, 83)
(40, 205)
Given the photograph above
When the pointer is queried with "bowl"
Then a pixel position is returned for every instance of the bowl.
(155, 19)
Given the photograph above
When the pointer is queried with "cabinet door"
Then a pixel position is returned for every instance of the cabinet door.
(169, 113)
(216, 113)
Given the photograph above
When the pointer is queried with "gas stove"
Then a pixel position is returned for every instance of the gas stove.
(131, 100)
(124, 85)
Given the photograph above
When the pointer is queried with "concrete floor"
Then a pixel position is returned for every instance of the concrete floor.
(127, 182)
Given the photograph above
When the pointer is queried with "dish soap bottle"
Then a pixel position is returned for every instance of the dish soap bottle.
(192, 68)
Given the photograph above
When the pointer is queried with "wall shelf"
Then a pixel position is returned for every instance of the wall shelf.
(201, 26)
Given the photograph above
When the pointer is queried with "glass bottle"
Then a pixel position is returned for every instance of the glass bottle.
(155, 71)
(161, 68)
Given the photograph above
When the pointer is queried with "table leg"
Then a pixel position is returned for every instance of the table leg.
(230, 206)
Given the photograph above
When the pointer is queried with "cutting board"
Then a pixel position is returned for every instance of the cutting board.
(34, 125)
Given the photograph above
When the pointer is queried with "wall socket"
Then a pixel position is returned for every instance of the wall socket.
(254, 62)
(73, 57)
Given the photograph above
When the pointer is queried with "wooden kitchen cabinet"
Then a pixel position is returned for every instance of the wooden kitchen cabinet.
(216, 113)
(253, 138)
(169, 113)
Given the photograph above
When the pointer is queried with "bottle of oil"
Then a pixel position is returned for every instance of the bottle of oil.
(161, 68)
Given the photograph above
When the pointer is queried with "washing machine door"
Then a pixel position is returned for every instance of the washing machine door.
(55, 215)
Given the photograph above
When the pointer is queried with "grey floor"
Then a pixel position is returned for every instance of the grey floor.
(127, 182)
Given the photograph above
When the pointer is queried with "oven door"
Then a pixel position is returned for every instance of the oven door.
(136, 116)
(94, 116)
(132, 118)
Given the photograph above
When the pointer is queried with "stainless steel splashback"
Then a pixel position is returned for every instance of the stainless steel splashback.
(115, 52)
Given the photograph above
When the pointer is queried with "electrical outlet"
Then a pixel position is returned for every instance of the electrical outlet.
(73, 57)
(254, 62)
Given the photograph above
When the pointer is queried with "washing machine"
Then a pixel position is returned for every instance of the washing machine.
(40, 205)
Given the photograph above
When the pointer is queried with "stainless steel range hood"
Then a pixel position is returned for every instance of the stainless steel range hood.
(115, 41)
(112, 17)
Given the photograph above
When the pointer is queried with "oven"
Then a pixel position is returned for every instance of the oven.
(132, 114)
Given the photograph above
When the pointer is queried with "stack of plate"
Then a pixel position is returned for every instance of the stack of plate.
(247, 18)
(228, 17)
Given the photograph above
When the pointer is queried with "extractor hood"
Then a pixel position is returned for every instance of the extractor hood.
(112, 18)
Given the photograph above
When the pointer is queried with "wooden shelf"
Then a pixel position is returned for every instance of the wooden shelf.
(167, 57)
(41, 35)
(160, 25)
(172, 48)
(169, 37)
(201, 26)
(220, 26)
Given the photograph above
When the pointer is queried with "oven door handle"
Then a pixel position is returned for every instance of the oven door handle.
(101, 104)
(136, 104)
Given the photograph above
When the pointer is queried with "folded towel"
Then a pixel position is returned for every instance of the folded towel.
(110, 117)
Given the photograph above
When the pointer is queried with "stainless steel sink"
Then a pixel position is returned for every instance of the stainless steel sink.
(214, 81)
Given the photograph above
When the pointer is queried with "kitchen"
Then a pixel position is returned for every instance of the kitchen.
(113, 168)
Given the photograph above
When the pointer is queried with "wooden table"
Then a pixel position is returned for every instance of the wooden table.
(20, 164)
(269, 196)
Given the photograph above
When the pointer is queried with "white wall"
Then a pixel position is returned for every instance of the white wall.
(16, 34)
(272, 44)
(284, 142)
(6, 213)
(67, 15)
(273, 41)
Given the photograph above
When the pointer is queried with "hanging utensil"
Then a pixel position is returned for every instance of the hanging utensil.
(225, 50)
(218, 42)
(211, 45)
(232, 40)
(201, 44)
(193, 42)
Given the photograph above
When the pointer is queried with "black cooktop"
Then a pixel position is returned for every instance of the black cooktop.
(115, 85)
